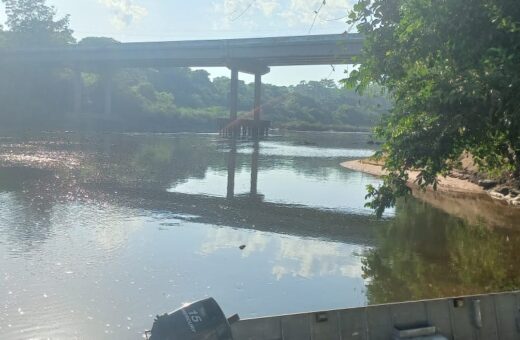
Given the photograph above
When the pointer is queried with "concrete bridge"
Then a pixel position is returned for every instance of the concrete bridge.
(253, 56)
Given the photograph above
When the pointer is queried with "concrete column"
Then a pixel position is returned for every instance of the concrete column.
(233, 97)
(78, 91)
(258, 97)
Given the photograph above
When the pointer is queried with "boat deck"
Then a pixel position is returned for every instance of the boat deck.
(491, 316)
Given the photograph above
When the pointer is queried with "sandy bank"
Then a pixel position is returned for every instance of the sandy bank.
(457, 197)
(450, 184)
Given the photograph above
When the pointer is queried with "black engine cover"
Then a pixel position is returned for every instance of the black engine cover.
(203, 320)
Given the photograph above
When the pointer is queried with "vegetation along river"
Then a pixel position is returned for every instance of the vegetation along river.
(99, 233)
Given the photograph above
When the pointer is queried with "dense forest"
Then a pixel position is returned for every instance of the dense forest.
(165, 99)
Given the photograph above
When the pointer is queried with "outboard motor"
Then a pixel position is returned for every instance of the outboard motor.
(203, 320)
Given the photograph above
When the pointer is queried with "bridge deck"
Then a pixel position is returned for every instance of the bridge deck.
(275, 51)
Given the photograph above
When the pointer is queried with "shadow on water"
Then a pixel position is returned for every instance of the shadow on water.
(15, 179)
(26, 209)
(137, 170)
(250, 210)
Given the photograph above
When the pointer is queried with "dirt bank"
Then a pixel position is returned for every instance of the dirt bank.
(450, 184)
(457, 197)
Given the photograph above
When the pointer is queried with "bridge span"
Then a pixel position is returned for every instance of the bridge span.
(253, 55)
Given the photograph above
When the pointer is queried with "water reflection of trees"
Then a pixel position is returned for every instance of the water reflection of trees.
(160, 162)
(426, 253)
(149, 161)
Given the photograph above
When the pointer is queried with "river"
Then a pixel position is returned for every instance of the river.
(101, 232)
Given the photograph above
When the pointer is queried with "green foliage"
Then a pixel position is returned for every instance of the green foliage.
(33, 23)
(191, 88)
(151, 100)
(321, 103)
(97, 42)
(298, 125)
(451, 68)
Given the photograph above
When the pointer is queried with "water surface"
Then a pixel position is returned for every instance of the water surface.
(99, 233)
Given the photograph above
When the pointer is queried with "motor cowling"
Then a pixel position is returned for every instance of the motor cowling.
(202, 320)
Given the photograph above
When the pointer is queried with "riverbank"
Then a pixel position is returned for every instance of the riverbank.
(458, 197)
(450, 184)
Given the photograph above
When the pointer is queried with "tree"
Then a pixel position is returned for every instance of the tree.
(451, 68)
(33, 23)
(97, 42)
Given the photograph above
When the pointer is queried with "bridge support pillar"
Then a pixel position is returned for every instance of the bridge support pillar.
(233, 101)
(78, 91)
(233, 105)
(258, 96)
(246, 127)
(258, 104)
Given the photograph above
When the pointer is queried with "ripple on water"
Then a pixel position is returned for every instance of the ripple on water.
(48, 319)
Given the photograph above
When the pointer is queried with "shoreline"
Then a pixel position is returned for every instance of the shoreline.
(458, 197)
(446, 184)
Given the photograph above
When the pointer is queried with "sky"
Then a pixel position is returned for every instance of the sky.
(160, 20)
